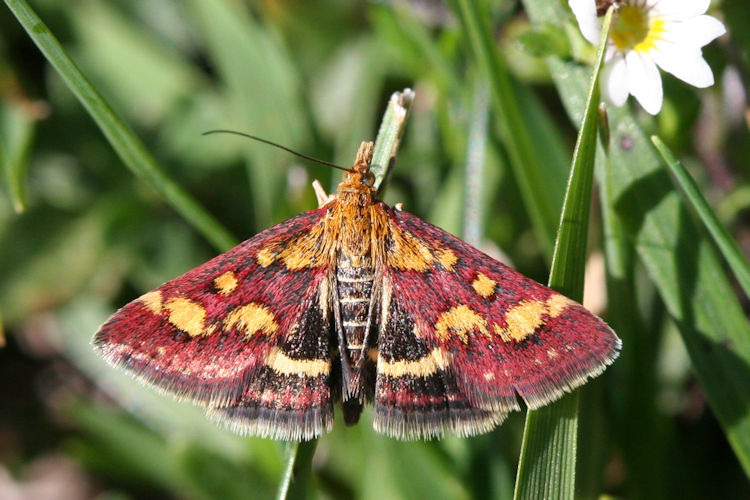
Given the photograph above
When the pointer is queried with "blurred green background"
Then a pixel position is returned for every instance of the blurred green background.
(80, 235)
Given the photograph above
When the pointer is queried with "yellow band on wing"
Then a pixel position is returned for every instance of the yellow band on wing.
(436, 360)
(283, 364)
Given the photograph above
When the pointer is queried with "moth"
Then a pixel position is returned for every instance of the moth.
(357, 302)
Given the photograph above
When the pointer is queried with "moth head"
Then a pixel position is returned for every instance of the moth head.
(359, 178)
(368, 179)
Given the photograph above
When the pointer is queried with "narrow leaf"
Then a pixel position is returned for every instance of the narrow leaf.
(295, 482)
(16, 136)
(476, 145)
(727, 245)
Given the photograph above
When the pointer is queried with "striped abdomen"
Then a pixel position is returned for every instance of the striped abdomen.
(355, 283)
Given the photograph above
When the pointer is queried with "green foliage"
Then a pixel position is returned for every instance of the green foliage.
(100, 147)
(730, 250)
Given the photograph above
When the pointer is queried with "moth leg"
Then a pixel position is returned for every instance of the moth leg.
(366, 364)
(351, 393)
(320, 193)
(346, 369)
(371, 311)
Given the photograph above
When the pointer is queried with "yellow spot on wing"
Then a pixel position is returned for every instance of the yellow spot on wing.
(447, 258)
(266, 256)
(460, 321)
(187, 315)
(557, 303)
(522, 320)
(425, 366)
(152, 301)
(283, 364)
(251, 318)
(526, 318)
(310, 249)
(304, 251)
(408, 252)
(484, 285)
(226, 283)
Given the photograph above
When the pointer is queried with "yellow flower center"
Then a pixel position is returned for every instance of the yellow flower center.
(632, 29)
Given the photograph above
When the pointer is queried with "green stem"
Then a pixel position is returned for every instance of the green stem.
(389, 135)
(296, 479)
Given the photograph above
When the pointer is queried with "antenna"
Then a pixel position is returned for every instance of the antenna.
(271, 143)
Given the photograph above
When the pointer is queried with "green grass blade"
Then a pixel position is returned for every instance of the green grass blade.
(679, 260)
(16, 136)
(122, 138)
(295, 481)
(531, 173)
(476, 145)
(548, 455)
(724, 241)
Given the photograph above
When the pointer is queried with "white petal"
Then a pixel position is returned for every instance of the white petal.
(611, 52)
(695, 32)
(687, 65)
(588, 22)
(680, 9)
(614, 82)
(644, 81)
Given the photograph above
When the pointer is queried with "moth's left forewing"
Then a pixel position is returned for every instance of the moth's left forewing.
(245, 334)
(499, 333)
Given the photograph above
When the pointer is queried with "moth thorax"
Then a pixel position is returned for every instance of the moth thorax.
(354, 227)
(354, 276)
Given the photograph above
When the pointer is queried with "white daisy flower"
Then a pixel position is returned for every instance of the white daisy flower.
(646, 34)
